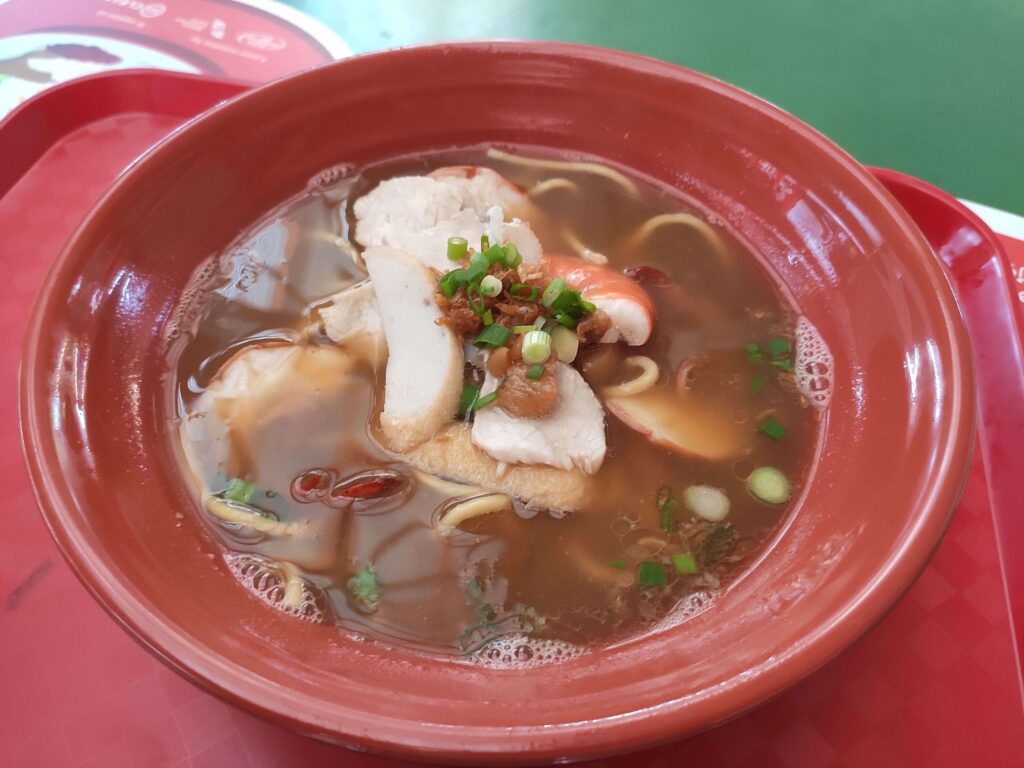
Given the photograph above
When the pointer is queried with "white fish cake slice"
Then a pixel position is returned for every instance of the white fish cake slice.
(423, 379)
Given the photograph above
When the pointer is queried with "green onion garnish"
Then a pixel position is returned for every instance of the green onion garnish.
(479, 261)
(757, 385)
(518, 329)
(475, 299)
(449, 284)
(492, 337)
(524, 292)
(512, 256)
(457, 248)
(494, 254)
(772, 428)
(770, 485)
(483, 402)
(588, 307)
(685, 564)
(490, 286)
(485, 242)
(536, 346)
(567, 301)
(487, 317)
(777, 347)
(552, 292)
(754, 353)
(463, 278)
(535, 372)
(783, 365)
(239, 490)
(652, 575)
(469, 396)
(620, 564)
(365, 589)
(565, 319)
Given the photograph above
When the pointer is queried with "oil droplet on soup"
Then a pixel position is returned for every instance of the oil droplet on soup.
(280, 432)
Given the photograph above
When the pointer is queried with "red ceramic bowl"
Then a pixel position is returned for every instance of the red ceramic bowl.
(892, 460)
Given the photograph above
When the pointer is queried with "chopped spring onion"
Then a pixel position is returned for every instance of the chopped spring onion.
(524, 292)
(485, 242)
(494, 255)
(365, 589)
(479, 261)
(757, 385)
(457, 248)
(513, 258)
(475, 299)
(565, 343)
(772, 428)
(685, 564)
(564, 319)
(490, 286)
(552, 292)
(784, 365)
(777, 347)
(239, 490)
(518, 329)
(588, 307)
(535, 372)
(449, 284)
(492, 337)
(462, 278)
(483, 402)
(706, 502)
(469, 396)
(770, 485)
(536, 346)
(620, 564)
(567, 301)
(487, 317)
(652, 575)
(754, 353)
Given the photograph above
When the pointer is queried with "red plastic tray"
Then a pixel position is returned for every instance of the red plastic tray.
(936, 683)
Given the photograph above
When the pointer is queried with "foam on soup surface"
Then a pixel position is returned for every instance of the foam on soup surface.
(492, 406)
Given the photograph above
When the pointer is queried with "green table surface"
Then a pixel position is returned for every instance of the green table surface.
(934, 88)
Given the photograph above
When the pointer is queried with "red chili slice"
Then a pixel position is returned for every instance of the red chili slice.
(312, 485)
(370, 485)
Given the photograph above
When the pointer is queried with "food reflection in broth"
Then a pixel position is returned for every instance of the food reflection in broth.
(605, 487)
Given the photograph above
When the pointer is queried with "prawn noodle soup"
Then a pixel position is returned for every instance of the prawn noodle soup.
(492, 405)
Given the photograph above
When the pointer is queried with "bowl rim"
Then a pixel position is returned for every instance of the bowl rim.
(514, 744)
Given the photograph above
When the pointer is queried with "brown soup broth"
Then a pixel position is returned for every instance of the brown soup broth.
(571, 578)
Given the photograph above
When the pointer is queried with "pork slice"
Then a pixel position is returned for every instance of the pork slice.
(418, 214)
(571, 437)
